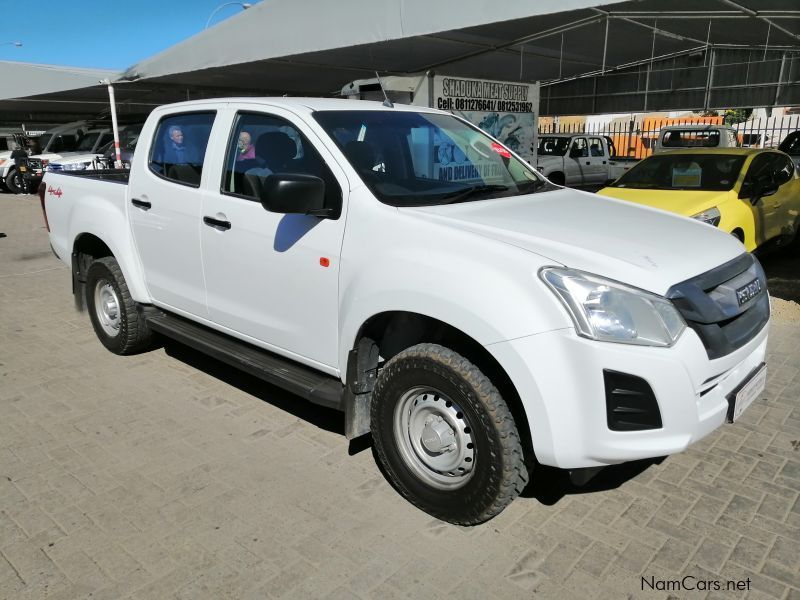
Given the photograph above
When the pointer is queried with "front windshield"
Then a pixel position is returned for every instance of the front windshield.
(423, 159)
(553, 146)
(86, 143)
(702, 172)
(38, 144)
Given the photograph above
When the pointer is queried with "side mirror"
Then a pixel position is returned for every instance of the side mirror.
(294, 193)
(763, 187)
(574, 152)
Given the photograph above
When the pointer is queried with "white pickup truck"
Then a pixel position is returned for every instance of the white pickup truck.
(475, 328)
(579, 159)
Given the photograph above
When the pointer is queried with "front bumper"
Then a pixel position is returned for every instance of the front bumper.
(559, 377)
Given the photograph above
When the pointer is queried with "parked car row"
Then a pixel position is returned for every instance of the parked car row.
(73, 146)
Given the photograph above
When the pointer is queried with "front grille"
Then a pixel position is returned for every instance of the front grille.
(710, 306)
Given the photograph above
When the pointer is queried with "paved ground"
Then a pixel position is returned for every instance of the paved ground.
(168, 475)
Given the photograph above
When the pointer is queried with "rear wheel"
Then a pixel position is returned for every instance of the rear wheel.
(117, 323)
(445, 437)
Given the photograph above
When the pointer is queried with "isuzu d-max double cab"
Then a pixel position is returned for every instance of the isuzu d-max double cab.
(476, 322)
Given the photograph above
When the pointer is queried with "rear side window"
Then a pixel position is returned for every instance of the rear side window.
(179, 147)
(579, 148)
(690, 138)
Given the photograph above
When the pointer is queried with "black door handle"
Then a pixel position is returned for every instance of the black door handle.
(216, 223)
(588, 163)
(141, 204)
(604, 162)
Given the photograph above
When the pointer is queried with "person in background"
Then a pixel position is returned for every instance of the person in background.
(245, 148)
(175, 151)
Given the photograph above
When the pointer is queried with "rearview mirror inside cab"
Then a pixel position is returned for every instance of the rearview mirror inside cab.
(294, 193)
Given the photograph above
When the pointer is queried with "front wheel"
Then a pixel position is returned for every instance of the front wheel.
(117, 323)
(445, 437)
(14, 181)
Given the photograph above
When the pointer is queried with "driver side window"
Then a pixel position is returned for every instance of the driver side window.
(262, 145)
(767, 168)
(579, 148)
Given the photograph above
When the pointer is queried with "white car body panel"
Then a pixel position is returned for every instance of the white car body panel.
(101, 212)
(584, 231)
(6, 166)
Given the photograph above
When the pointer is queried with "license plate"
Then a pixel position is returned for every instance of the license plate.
(748, 292)
(748, 390)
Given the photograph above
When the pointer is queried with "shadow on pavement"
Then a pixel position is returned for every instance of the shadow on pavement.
(782, 267)
(548, 485)
(320, 416)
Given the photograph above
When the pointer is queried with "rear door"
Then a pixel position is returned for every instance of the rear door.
(273, 278)
(164, 207)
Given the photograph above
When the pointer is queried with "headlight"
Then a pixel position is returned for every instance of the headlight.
(710, 216)
(77, 166)
(608, 311)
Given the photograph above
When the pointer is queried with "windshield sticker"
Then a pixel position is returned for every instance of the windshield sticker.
(687, 175)
(500, 150)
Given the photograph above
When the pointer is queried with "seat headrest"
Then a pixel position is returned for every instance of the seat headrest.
(275, 147)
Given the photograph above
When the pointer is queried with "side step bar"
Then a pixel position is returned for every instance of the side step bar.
(282, 372)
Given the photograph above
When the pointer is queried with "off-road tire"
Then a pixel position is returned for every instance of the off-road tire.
(133, 335)
(499, 473)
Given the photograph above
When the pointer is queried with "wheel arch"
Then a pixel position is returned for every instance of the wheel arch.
(396, 330)
(88, 246)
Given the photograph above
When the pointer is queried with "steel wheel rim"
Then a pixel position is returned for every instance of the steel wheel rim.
(106, 307)
(434, 438)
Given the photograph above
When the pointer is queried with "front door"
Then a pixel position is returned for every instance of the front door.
(771, 214)
(576, 162)
(597, 170)
(164, 208)
(273, 278)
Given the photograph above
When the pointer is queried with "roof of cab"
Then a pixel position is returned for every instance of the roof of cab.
(301, 104)
(696, 126)
(734, 151)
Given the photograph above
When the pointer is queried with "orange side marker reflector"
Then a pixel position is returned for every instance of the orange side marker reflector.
(324, 262)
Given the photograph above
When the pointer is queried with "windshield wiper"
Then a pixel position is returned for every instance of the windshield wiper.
(473, 190)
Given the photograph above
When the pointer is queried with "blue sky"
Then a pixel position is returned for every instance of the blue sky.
(112, 34)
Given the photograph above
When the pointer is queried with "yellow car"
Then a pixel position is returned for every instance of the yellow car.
(753, 194)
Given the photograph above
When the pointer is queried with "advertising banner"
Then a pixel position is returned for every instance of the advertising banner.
(504, 110)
